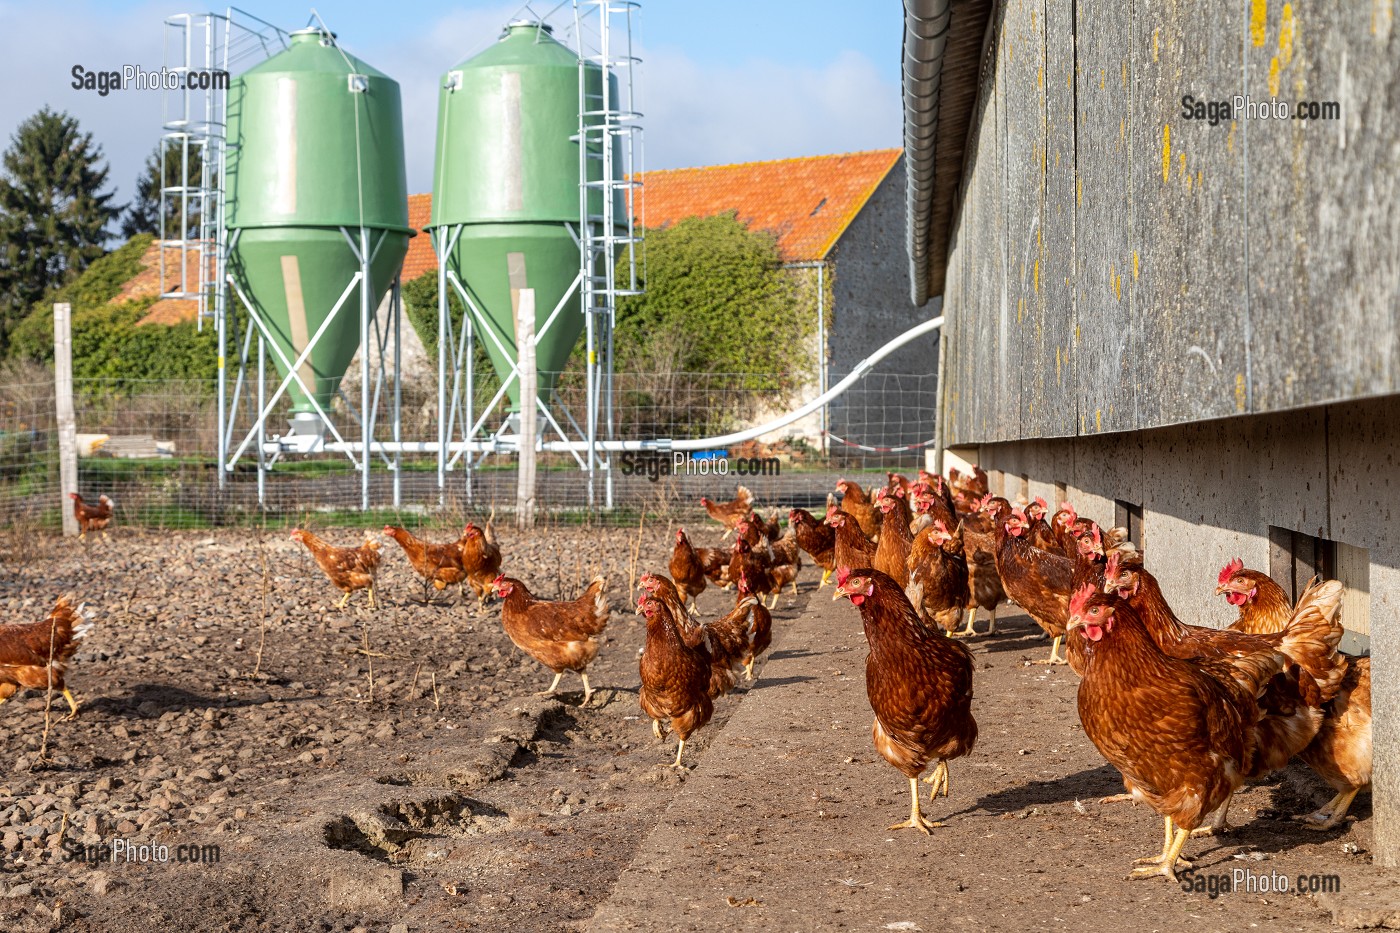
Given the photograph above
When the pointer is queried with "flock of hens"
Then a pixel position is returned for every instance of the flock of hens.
(1186, 713)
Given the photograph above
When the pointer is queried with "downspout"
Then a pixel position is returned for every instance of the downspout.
(926, 24)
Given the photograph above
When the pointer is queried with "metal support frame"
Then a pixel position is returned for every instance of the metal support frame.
(605, 124)
(375, 372)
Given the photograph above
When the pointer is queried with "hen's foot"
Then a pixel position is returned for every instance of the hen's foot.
(1166, 863)
(938, 781)
(1331, 815)
(1054, 653)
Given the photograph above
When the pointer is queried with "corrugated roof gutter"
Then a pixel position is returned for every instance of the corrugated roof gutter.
(926, 25)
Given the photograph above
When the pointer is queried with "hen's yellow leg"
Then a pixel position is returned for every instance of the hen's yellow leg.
(72, 703)
(1166, 863)
(938, 781)
(1054, 652)
(680, 750)
(587, 690)
(1219, 824)
(343, 600)
(916, 820)
(1332, 814)
(557, 678)
(826, 575)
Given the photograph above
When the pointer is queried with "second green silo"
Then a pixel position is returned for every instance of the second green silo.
(508, 171)
(316, 148)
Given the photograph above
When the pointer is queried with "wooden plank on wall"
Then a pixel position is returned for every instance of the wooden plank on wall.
(1056, 412)
(1185, 271)
(1324, 232)
(985, 280)
(1103, 312)
(1015, 221)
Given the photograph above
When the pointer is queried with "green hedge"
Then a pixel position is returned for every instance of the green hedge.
(107, 344)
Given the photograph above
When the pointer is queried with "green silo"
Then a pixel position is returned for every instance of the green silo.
(508, 170)
(315, 145)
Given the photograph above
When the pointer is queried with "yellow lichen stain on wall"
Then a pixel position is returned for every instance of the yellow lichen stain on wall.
(1382, 16)
(1155, 35)
(1181, 165)
(1098, 419)
(1258, 19)
(1166, 153)
(1135, 265)
(1230, 139)
(1273, 76)
(1285, 35)
(1239, 392)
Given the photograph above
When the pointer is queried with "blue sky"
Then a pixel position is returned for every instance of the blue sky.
(722, 81)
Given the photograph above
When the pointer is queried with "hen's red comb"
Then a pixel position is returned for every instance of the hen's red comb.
(1041, 502)
(842, 575)
(938, 523)
(1111, 571)
(1081, 599)
(1229, 570)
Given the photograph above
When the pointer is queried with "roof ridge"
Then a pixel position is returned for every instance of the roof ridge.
(891, 151)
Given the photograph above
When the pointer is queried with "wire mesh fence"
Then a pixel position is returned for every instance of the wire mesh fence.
(153, 448)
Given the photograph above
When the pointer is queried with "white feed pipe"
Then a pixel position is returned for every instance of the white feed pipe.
(506, 444)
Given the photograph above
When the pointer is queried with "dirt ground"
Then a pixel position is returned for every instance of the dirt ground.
(396, 770)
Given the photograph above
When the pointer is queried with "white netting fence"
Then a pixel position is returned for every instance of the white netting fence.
(152, 447)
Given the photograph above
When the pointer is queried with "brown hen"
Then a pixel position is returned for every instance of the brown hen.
(919, 683)
(563, 636)
(349, 568)
(36, 654)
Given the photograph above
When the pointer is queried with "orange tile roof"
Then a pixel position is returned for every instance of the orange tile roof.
(421, 256)
(808, 202)
(146, 284)
(170, 311)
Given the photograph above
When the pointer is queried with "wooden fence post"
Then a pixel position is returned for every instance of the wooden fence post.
(67, 421)
(525, 349)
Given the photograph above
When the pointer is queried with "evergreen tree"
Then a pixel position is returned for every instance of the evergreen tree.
(143, 213)
(53, 213)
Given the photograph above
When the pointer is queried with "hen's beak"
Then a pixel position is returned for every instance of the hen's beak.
(1074, 623)
(839, 593)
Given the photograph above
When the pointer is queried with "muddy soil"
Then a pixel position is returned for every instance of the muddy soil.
(397, 770)
(369, 769)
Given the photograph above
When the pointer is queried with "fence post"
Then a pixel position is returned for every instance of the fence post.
(67, 421)
(525, 350)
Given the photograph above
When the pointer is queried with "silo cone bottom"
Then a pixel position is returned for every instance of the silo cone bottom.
(306, 424)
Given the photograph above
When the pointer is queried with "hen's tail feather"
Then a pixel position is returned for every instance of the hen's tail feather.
(1311, 636)
(489, 533)
(597, 593)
